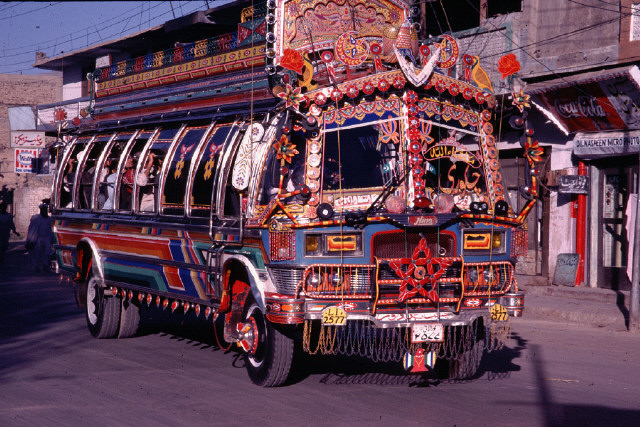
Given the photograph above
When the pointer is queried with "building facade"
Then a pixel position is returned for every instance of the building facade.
(24, 175)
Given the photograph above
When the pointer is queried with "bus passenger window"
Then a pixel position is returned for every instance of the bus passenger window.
(128, 173)
(148, 180)
(107, 186)
(108, 178)
(175, 185)
(202, 188)
(126, 187)
(85, 191)
(67, 179)
(149, 176)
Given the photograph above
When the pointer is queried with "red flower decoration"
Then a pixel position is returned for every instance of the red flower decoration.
(352, 91)
(398, 82)
(59, 115)
(508, 65)
(420, 271)
(292, 60)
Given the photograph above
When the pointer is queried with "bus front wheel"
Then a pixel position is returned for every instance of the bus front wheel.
(269, 351)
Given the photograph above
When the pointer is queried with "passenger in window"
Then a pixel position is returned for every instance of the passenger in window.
(148, 181)
(103, 191)
(86, 181)
(110, 183)
(67, 183)
(127, 181)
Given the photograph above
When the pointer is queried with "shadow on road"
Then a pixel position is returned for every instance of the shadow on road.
(557, 415)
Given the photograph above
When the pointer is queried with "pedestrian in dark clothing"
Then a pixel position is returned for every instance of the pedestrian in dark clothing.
(40, 238)
(6, 227)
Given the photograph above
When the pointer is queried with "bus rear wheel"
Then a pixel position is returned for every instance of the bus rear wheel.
(102, 311)
(269, 351)
(129, 319)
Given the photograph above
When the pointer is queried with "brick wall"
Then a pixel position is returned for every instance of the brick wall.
(27, 202)
(28, 189)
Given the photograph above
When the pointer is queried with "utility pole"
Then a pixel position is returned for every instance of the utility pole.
(634, 305)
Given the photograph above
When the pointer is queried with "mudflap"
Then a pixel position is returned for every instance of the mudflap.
(239, 294)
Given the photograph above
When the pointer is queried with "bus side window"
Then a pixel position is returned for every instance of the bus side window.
(108, 178)
(88, 172)
(67, 179)
(128, 173)
(150, 170)
(202, 188)
(175, 185)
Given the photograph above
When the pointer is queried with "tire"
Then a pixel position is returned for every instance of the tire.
(270, 363)
(102, 311)
(129, 319)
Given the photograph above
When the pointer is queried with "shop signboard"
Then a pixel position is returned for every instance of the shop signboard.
(26, 160)
(27, 139)
(606, 144)
(573, 184)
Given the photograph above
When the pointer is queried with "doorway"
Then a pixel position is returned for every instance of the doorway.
(617, 184)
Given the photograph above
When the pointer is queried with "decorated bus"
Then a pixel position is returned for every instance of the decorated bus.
(319, 177)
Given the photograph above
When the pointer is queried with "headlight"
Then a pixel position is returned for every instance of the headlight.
(472, 274)
(313, 280)
(335, 279)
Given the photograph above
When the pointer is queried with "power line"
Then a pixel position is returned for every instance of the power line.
(28, 12)
(83, 30)
(117, 33)
(56, 43)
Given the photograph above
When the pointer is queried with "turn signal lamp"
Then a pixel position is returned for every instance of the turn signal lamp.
(496, 241)
(311, 243)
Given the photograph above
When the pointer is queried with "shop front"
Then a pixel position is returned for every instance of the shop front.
(600, 113)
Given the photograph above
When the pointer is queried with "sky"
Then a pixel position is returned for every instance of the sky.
(64, 26)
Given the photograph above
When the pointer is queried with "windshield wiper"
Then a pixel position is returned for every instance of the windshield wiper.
(359, 219)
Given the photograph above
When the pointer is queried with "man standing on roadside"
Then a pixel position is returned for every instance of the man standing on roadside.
(6, 227)
(40, 238)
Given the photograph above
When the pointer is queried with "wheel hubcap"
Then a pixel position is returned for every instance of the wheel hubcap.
(92, 295)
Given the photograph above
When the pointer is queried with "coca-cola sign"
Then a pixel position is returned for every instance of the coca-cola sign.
(611, 103)
(584, 106)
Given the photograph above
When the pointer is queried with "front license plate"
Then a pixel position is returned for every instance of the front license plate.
(427, 332)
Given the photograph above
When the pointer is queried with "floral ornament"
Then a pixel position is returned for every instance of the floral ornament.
(419, 272)
(508, 65)
(292, 60)
(520, 100)
(208, 167)
(285, 150)
(532, 152)
(184, 150)
(59, 115)
(389, 132)
(291, 96)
